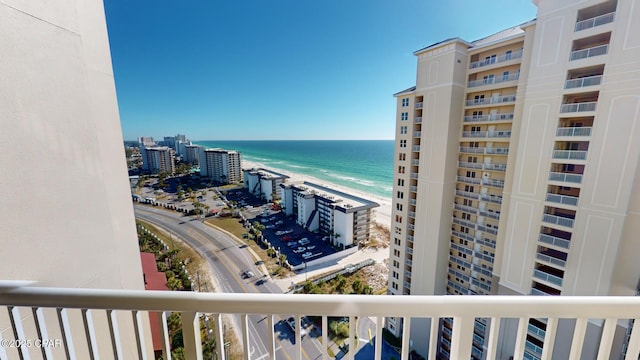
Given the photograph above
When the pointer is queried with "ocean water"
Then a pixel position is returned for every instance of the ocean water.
(364, 165)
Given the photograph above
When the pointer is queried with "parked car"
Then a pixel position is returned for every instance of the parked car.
(299, 250)
(247, 274)
(292, 324)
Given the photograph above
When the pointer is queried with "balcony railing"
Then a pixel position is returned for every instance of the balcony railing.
(470, 165)
(595, 21)
(563, 199)
(491, 100)
(463, 310)
(416, 148)
(469, 180)
(570, 154)
(467, 194)
(565, 177)
(553, 240)
(498, 59)
(541, 275)
(494, 80)
(574, 131)
(472, 150)
(582, 82)
(490, 214)
(485, 134)
(493, 182)
(578, 107)
(491, 117)
(495, 167)
(551, 260)
(492, 198)
(497, 151)
(590, 52)
(419, 105)
(417, 119)
(558, 220)
(417, 134)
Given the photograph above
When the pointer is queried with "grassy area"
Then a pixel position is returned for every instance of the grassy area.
(229, 224)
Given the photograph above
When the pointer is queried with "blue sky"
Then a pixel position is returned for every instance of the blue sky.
(280, 69)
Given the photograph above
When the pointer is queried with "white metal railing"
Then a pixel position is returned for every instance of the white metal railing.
(469, 209)
(473, 150)
(491, 100)
(582, 82)
(419, 105)
(494, 80)
(541, 275)
(490, 214)
(493, 182)
(467, 194)
(574, 131)
(413, 188)
(490, 230)
(470, 165)
(492, 198)
(417, 134)
(415, 162)
(498, 59)
(565, 177)
(469, 180)
(416, 148)
(463, 310)
(491, 117)
(497, 167)
(570, 154)
(417, 119)
(578, 107)
(595, 21)
(484, 134)
(497, 151)
(558, 220)
(589, 52)
(414, 175)
(563, 199)
(551, 260)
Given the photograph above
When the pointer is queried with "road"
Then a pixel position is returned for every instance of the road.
(227, 260)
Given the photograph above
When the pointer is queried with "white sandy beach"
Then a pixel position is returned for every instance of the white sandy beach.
(383, 213)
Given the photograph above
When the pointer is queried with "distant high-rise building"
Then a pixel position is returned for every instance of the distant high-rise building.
(157, 159)
(223, 166)
(192, 154)
(516, 168)
(264, 183)
(146, 141)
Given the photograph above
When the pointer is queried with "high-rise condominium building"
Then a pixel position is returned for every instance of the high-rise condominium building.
(223, 166)
(157, 159)
(516, 169)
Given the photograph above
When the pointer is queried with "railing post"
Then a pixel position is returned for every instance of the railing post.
(90, 333)
(521, 338)
(353, 338)
(41, 328)
(115, 334)
(191, 335)
(578, 339)
(461, 337)
(379, 340)
(164, 328)
(272, 340)
(406, 333)
(549, 338)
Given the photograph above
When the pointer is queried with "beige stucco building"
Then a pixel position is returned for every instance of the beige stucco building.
(516, 167)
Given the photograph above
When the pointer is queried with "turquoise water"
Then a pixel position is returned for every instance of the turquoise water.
(364, 165)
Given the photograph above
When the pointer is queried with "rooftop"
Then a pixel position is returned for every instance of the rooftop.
(343, 200)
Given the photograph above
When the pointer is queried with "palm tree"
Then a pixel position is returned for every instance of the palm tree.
(282, 259)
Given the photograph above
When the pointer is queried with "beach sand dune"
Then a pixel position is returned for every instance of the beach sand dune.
(383, 213)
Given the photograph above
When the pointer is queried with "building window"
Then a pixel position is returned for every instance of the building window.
(404, 116)
(394, 285)
(399, 207)
(403, 130)
(401, 169)
(403, 143)
(396, 264)
(398, 230)
(400, 195)
(396, 252)
(402, 157)
(507, 56)
(400, 182)
(397, 241)
(505, 75)
(399, 219)
(405, 102)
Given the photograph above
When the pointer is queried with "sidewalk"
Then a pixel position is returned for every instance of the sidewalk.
(378, 255)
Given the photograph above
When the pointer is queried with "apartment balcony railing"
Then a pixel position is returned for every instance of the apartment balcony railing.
(467, 194)
(412, 202)
(415, 162)
(419, 105)
(563, 199)
(416, 148)
(486, 242)
(484, 134)
(582, 82)
(470, 165)
(537, 292)
(412, 214)
(414, 175)
(590, 52)
(469, 180)
(595, 21)
(462, 235)
(472, 150)
(497, 151)
(541, 275)
(467, 209)
(498, 59)
(493, 182)
(410, 251)
(494, 80)
(461, 309)
(490, 214)
(496, 167)
(565, 177)
(558, 220)
(551, 260)
(570, 154)
(491, 100)
(490, 230)
(417, 119)
(417, 133)
(578, 107)
(492, 198)
(413, 188)
(490, 117)
(574, 131)
(553, 240)
(465, 223)
(536, 331)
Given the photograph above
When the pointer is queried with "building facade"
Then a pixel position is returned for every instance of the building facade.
(516, 168)
(346, 219)
(264, 183)
(223, 166)
(192, 154)
(157, 159)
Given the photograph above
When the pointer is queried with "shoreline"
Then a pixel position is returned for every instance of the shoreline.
(383, 212)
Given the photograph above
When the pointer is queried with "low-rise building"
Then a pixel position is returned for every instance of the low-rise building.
(346, 218)
(264, 183)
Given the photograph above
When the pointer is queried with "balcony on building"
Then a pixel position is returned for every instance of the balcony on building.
(597, 15)
(555, 238)
(549, 275)
(491, 98)
(482, 132)
(578, 103)
(497, 78)
(495, 181)
(575, 127)
(559, 216)
(584, 77)
(591, 46)
(566, 173)
(551, 257)
(563, 195)
(479, 116)
(496, 56)
(461, 192)
(492, 197)
(494, 166)
(571, 151)
(541, 289)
